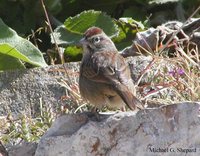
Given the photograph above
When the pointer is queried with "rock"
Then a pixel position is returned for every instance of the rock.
(23, 90)
(169, 130)
(3, 151)
(24, 149)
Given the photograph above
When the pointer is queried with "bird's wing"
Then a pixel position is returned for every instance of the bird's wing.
(111, 68)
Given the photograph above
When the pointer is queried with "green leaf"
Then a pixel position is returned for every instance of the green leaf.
(13, 45)
(127, 31)
(86, 19)
(8, 52)
(8, 62)
(74, 27)
(64, 37)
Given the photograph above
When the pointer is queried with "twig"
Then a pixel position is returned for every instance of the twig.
(164, 86)
(145, 70)
(148, 47)
(187, 57)
(57, 48)
(49, 24)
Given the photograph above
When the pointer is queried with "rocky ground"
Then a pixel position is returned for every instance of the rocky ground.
(170, 128)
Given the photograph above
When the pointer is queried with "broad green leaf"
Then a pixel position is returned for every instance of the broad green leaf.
(7, 62)
(127, 31)
(64, 37)
(74, 27)
(72, 31)
(6, 49)
(86, 19)
(18, 47)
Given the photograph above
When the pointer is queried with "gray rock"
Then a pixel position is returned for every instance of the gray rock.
(24, 149)
(22, 90)
(3, 151)
(169, 130)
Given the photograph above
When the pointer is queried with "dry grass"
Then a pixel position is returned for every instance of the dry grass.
(173, 79)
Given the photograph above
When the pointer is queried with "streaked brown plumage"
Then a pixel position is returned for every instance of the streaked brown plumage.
(105, 77)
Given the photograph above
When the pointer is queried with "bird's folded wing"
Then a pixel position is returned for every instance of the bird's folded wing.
(111, 68)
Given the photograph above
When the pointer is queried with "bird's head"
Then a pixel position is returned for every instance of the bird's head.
(94, 40)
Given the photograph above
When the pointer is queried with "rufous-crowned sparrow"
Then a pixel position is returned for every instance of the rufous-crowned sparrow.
(105, 78)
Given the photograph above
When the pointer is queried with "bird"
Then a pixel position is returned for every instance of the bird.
(105, 77)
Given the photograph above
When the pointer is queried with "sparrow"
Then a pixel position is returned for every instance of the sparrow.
(105, 78)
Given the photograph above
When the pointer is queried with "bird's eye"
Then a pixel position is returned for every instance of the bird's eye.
(96, 39)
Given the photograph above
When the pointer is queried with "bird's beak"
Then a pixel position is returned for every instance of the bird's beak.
(82, 41)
